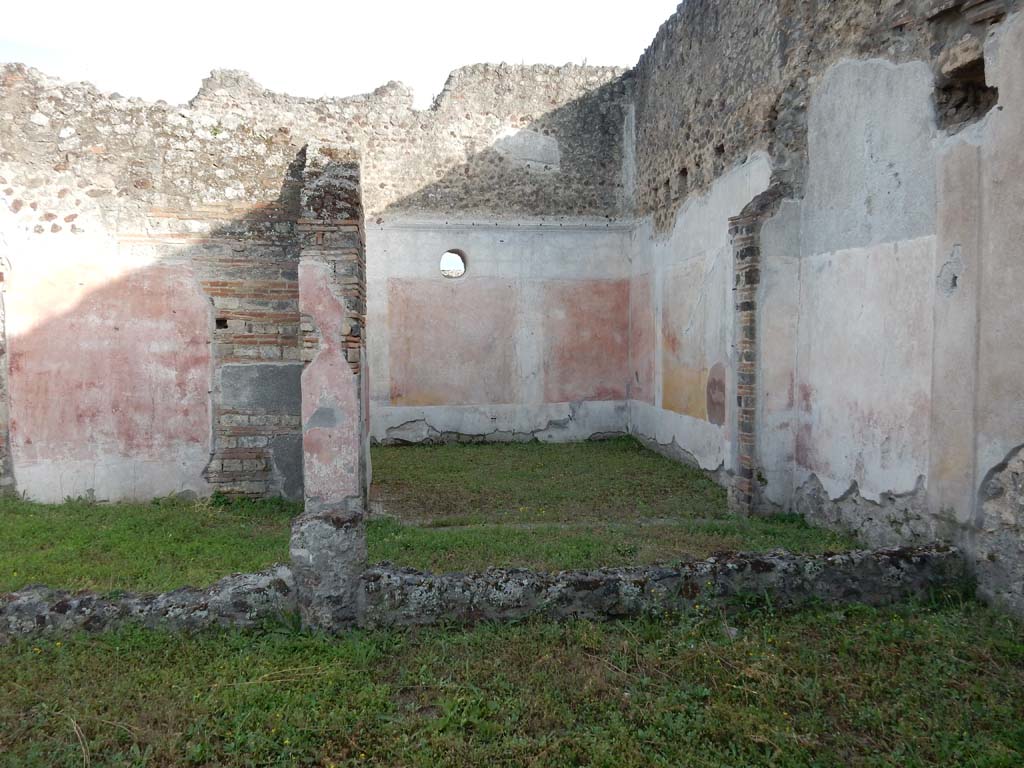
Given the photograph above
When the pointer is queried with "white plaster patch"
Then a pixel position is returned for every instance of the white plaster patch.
(529, 148)
(864, 370)
(551, 422)
(701, 439)
(114, 478)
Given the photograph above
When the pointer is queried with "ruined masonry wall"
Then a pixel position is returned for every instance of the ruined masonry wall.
(886, 379)
(499, 140)
(722, 80)
(150, 254)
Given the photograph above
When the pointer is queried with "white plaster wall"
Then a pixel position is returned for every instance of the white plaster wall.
(1000, 393)
(530, 254)
(778, 314)
(864, 371)
(866, 285)
(699, 246)
(49, 281)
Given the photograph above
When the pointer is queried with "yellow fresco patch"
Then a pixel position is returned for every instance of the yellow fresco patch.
(684, 389)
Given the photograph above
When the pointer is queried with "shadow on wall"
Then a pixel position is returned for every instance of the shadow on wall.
(155, 361)
(538, 319)
(537, 166)
(153, 347)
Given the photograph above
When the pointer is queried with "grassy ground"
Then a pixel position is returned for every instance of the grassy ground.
(153, 547)
(540, 482)
(587, 545)
(938, 685)
(917, 685)
(550, 506)
(450, 508)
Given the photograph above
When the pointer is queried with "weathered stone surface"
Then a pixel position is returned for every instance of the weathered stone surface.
(328, 555)
(149, 253)
(242, 600)
(270, 388)
(722, 80)
(328, 544)
(386, 596)
(895, 519)
(398, 597)
(1000, 537)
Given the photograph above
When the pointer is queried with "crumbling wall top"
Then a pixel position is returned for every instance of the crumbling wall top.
(499, 140)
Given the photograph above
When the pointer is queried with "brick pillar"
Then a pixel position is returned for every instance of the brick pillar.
(744, 231)
(328, 545)
(745, 234)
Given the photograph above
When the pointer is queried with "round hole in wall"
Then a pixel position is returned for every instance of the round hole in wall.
(453, 263)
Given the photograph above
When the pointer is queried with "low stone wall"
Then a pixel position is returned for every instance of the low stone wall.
(397, 597)
(242, 600)
(392, 597)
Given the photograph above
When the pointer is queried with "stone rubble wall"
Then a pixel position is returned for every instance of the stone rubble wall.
(153, 338)
(871, 368)
(499, 139)
(241, 600)
(724, 79)
(328, 543)
(390, 596)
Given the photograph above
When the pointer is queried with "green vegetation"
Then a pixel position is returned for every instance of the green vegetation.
(157, 546)
(935, 685)
(540, 482)
(556, 506)
(564, 546)
(447, 508)
(916, 685)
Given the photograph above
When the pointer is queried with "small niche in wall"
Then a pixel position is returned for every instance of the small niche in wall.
(682, 183)
(963, 97)
(453, 263)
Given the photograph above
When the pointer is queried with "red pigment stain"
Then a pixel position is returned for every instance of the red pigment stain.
(330, 453)
(586, 333)
(803, 446)
(452, 342)
(806, 397)
(126, 371)
(641, 347)
(716, 394)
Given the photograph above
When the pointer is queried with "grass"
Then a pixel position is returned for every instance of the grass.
(560, 506)
(540, 482)
(453, 508)
(553, 547)
(157, 546)
(919, 685)
(934, 684)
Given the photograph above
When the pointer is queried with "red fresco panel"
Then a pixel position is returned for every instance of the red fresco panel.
(641, 340)
(586, 329)
(452, 342)
(125, 372)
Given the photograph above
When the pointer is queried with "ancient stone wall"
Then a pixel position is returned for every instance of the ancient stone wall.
(499, 139)
(151, 325)
(328, 544)
(389, 596)
(866, 371)
(884, 283)
(724, 79)
(531, 343)
(152, 253)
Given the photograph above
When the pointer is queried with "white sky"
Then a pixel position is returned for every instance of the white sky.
(311, 48)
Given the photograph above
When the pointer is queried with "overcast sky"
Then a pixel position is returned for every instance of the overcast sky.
(310, 48)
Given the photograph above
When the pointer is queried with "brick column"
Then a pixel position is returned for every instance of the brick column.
(743, 231)
(745, 234)
(328, 545)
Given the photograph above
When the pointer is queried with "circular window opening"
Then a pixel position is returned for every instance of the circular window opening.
(453, 263)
